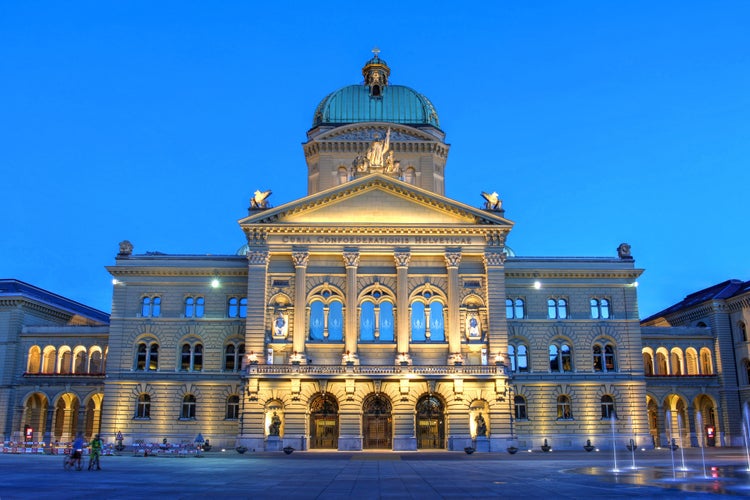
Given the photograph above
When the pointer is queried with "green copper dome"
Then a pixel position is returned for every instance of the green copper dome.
(376, 101)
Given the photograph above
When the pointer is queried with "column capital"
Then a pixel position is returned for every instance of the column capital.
(351, 258)
(452, 258)
(494, 259)
(257, 257)
(496, 238)
(300, 258)
(402, 258)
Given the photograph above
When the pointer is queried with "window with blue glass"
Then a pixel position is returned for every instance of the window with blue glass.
(326, 321)
(427, 316)
(376, 316)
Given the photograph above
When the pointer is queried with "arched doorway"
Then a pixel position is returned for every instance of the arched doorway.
(376, 422)
(66, 417)
(35, 414)
(324, 422)
(653, 420)
(430, 423)
(706, 423)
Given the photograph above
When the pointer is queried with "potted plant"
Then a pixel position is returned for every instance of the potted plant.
(469, 450)
(512, 449)
(241, 449)
(288, 450)
(588, 446)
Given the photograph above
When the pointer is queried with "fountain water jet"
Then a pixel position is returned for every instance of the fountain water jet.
(614, 443)
(682, 445)
(701, 441)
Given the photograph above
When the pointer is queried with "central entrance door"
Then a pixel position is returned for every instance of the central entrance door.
(324, 422)
(430, 423)
(377, 423)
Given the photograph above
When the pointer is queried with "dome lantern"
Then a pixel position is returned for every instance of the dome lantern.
(376, 73)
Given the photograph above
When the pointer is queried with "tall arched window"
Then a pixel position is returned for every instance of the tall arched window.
(560, 357)
(437, 323)
(518, 355)
(418, 322)
(427, 316)
(65, 360)
(35, 360)
(604, 357)
(515, 309)
(676, 361)
(194, 307)
(95, 361)
(376, 316)
(706, 363)
(648, 363)
(151, 307)
(599, 308)
(326, 320)
(691, 361)
(143, 406)
(233, 354)
(564, 408)
(191, 356)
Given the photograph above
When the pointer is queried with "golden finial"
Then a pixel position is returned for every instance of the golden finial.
(376, 51)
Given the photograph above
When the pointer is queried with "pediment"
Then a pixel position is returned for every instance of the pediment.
(376, 200)
(372, 131)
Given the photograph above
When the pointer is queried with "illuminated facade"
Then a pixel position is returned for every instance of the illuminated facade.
(374, 313)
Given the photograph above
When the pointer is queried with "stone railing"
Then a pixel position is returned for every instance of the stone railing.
(425, 370)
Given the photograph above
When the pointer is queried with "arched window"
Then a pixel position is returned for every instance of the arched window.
(343, 174)
(376, 315)
(336, 321)
(147, 355)
(35, 360)
(706, 363)
(557, 308)
(519, 403)
(437, 324)
(676, 361)
(604, 357)
(743, 331)
(95, 362)
(143, 406)
(564, 408)
(237, 307)
(191, 357)
(418, 322)
(599, 308)
(518, 355)
(66, 360)
(194, 307)
(560, 358)
(233, 408)
(49, 360)
(608, 407)
(515, 309)
(233, 354)
(367, 322)
(188, 407)
(326, 320)
(151, 307)
(79, 361)
(386, 322)
(648, 363)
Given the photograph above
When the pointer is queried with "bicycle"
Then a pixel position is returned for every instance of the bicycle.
(74, 459)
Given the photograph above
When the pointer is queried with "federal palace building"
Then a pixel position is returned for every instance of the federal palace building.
(375, 313)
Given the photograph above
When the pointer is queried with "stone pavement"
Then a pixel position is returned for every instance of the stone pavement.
(387, 475)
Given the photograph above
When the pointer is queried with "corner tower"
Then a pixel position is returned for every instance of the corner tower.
(376, 127)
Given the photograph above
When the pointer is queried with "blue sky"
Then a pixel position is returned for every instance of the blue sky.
(597, 122)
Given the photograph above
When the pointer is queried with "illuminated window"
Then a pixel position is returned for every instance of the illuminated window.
(376, 321)
(151, 307)
(237, 307)
(604, 357)
(233, 354)
(564, 408)
(147, 356)
(427, 317)
(35, 360)
(560, 358)
(326, 319)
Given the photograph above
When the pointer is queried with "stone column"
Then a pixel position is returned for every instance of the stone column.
(300, 294)
(452, 260)
(257, 265)
(402, 258)
(351, 261)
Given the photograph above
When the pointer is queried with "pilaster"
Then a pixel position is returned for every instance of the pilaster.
(300, 259)
(402, 258)
(351, 261)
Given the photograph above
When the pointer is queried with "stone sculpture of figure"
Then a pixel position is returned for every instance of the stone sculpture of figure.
(275, 427)
(481, 425)
(623, 251)
(493, 201)
(279, 325)
(126, 248)
(260, 199)
(378, 149)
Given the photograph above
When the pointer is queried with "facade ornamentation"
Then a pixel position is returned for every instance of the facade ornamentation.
(259, 201)
(452, 258)
(494, 259)
(402, 258)
(257, 257)
(300, 258)
(492, 201)
(126, 248)
(351, 259)
(623, 251)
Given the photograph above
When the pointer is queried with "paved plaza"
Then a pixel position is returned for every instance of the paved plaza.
(383, 475)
